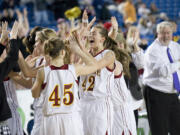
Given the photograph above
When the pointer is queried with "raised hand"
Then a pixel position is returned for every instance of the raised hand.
(19, 15)
(86, 25)
(85, 19)
(4, 26)
(25, 12)
(136, 37)
(72, 41)
(23, 23)
(18, 12)
(80, 41)
(114, 22)
(91, 23)
(113, 32)
(135, 41)
(31, 61)
(4, 34)
(73, 44)
(14, 30)
(85, 29)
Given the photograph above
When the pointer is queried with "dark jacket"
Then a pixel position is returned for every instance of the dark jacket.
(5, 67)
(132, 83)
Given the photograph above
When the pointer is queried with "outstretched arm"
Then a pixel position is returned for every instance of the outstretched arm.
(24, 23)
(91, 65)
(10, 61)
(25, 68)
(4, 36)
(106, 61)
(19, 79)
(75, 48)
(36, 89)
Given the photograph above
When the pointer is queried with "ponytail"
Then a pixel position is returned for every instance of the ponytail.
(121, 55)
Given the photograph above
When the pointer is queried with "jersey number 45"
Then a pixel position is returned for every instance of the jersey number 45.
(68, 96)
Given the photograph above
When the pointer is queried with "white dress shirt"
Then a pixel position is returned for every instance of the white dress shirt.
(158, 70)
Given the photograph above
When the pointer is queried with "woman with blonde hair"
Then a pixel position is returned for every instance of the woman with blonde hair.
(97, 88)
(40, 38)
(31, 71)
(61, 102)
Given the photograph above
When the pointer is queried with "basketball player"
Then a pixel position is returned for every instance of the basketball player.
(61, 102)
(124, 120)
(40, 37)
(96, 89)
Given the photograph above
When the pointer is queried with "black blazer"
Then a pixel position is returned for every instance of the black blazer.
(132, 83)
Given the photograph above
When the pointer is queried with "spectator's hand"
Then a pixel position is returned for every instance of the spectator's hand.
(113, 32)
(4, 34)
(23, 23)
(135, 42)
(14, 30)
(25, 12)
(20, 16)
(114, 23)
(136, 37)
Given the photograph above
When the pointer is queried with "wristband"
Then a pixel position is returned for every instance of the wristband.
(85, 21)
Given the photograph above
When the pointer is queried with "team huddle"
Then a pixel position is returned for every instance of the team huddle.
(77, 83)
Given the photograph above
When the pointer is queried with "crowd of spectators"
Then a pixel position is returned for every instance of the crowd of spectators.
(133, 12)
(137, 19)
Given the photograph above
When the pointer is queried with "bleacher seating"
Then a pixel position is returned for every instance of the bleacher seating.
(170, 7)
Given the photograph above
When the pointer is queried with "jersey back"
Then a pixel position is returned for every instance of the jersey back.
(61, 90)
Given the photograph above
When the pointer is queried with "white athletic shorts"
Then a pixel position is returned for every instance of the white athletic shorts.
(97, 117)
(124, 120)
(62, 124)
